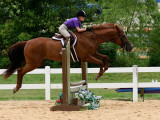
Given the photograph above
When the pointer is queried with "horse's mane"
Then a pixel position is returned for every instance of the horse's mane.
(104, 26)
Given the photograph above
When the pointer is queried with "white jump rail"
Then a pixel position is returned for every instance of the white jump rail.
(48, 86)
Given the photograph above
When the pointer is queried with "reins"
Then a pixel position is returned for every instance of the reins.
(98, 35)
(105, 38)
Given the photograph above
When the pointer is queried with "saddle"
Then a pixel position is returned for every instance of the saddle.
(59, 37)
(73, 42)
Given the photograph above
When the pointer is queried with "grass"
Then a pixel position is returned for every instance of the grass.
(40, 95)
(106, 78)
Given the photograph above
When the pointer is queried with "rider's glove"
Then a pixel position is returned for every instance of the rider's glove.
(89, 29)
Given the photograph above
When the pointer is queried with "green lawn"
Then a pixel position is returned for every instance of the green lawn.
(56, 78)
(40, 95)
(106, 78)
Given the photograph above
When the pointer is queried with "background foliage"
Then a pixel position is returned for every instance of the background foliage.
(23, 20)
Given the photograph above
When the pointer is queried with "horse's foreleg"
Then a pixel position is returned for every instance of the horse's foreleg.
(20, 74)
(105, 57)
(92, 59)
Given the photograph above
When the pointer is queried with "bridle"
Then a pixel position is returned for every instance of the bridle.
(122, 37)
(119, 34)
(97, 35)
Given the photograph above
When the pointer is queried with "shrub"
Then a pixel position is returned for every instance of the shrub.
(154, 51)
(4, 62)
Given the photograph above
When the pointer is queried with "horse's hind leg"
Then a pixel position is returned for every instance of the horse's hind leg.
(21, 73)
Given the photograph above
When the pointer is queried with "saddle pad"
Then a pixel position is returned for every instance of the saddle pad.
(59, 39)
(62, 41)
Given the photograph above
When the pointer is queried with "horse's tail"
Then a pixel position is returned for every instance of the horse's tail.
(16, 56)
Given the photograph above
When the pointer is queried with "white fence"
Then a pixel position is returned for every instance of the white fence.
(48, 86)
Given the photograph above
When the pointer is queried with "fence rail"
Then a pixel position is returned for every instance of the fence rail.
(48, 86)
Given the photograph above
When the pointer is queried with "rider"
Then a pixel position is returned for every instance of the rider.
(73, 23)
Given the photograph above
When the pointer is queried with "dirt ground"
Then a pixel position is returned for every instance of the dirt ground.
(109, 110)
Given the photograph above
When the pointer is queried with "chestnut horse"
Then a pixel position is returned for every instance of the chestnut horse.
(31, 54)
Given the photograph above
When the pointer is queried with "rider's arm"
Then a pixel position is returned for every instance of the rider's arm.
(80, 29)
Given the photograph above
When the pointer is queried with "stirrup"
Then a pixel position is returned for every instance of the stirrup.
(60, 52)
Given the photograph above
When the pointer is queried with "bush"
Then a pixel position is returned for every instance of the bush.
(52, 64)
(154, 51)
(4, 62)
(126, 60)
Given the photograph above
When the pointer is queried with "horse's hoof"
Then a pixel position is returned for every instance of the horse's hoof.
(96, 78)
(14, 90)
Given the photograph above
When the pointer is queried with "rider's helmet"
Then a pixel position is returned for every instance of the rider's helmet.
(81, 13)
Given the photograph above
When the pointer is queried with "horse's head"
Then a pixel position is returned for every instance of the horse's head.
(112, 33)
(122, 39)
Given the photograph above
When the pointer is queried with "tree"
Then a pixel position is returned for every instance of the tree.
(154, 51)
(134, 16)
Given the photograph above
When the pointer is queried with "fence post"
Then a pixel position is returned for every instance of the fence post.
(84, 66)
(47, 83)
(135, 83)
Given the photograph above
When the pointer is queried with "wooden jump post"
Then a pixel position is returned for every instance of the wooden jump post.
(69, 103)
